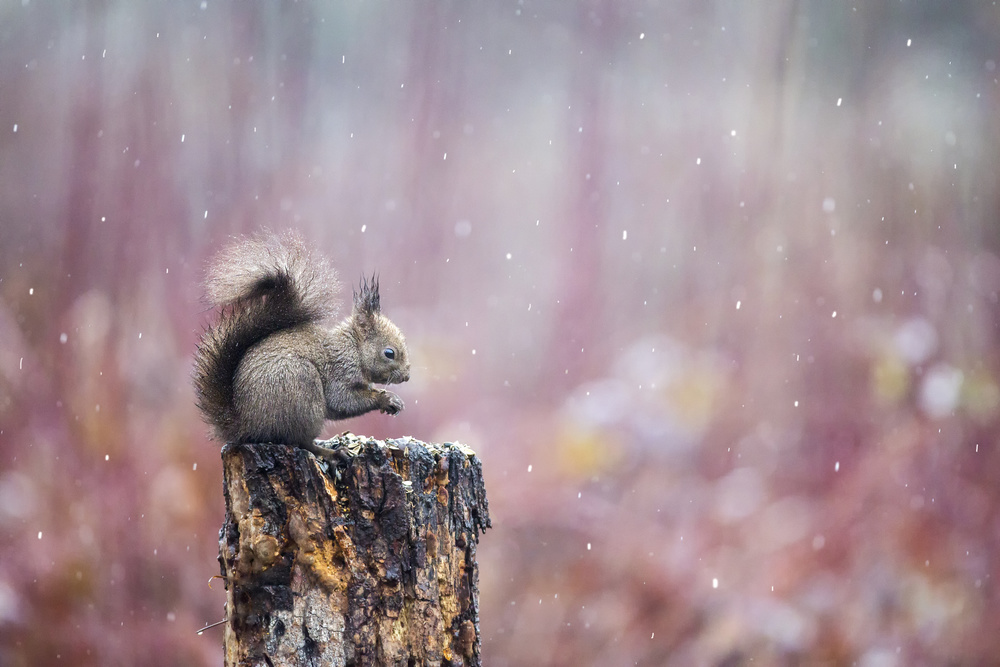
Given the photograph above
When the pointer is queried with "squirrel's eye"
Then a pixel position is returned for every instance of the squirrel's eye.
(389, 353)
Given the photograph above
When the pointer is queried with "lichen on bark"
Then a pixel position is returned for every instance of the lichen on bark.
(371, 562)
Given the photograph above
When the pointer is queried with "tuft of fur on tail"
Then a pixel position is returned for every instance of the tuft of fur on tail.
(262, 284)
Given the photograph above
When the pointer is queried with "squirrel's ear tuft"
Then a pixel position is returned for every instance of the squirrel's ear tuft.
(366, 297)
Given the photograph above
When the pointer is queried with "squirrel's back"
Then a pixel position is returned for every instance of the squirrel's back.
(263, 284)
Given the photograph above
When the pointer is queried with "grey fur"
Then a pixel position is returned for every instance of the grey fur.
(268, 371)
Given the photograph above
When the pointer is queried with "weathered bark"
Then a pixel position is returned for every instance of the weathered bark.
(373, 563)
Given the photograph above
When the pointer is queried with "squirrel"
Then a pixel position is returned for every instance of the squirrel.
(268, 370)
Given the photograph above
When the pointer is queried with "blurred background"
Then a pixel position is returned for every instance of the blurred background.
(711, 287)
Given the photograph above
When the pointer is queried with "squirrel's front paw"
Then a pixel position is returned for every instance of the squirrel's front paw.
(389, 403)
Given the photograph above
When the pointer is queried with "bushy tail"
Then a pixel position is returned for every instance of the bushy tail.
(262, 284)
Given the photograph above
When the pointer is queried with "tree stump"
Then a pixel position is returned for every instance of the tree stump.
(371, 562)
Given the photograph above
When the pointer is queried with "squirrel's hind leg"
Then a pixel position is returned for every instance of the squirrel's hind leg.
(279, 400)
(335, 456)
